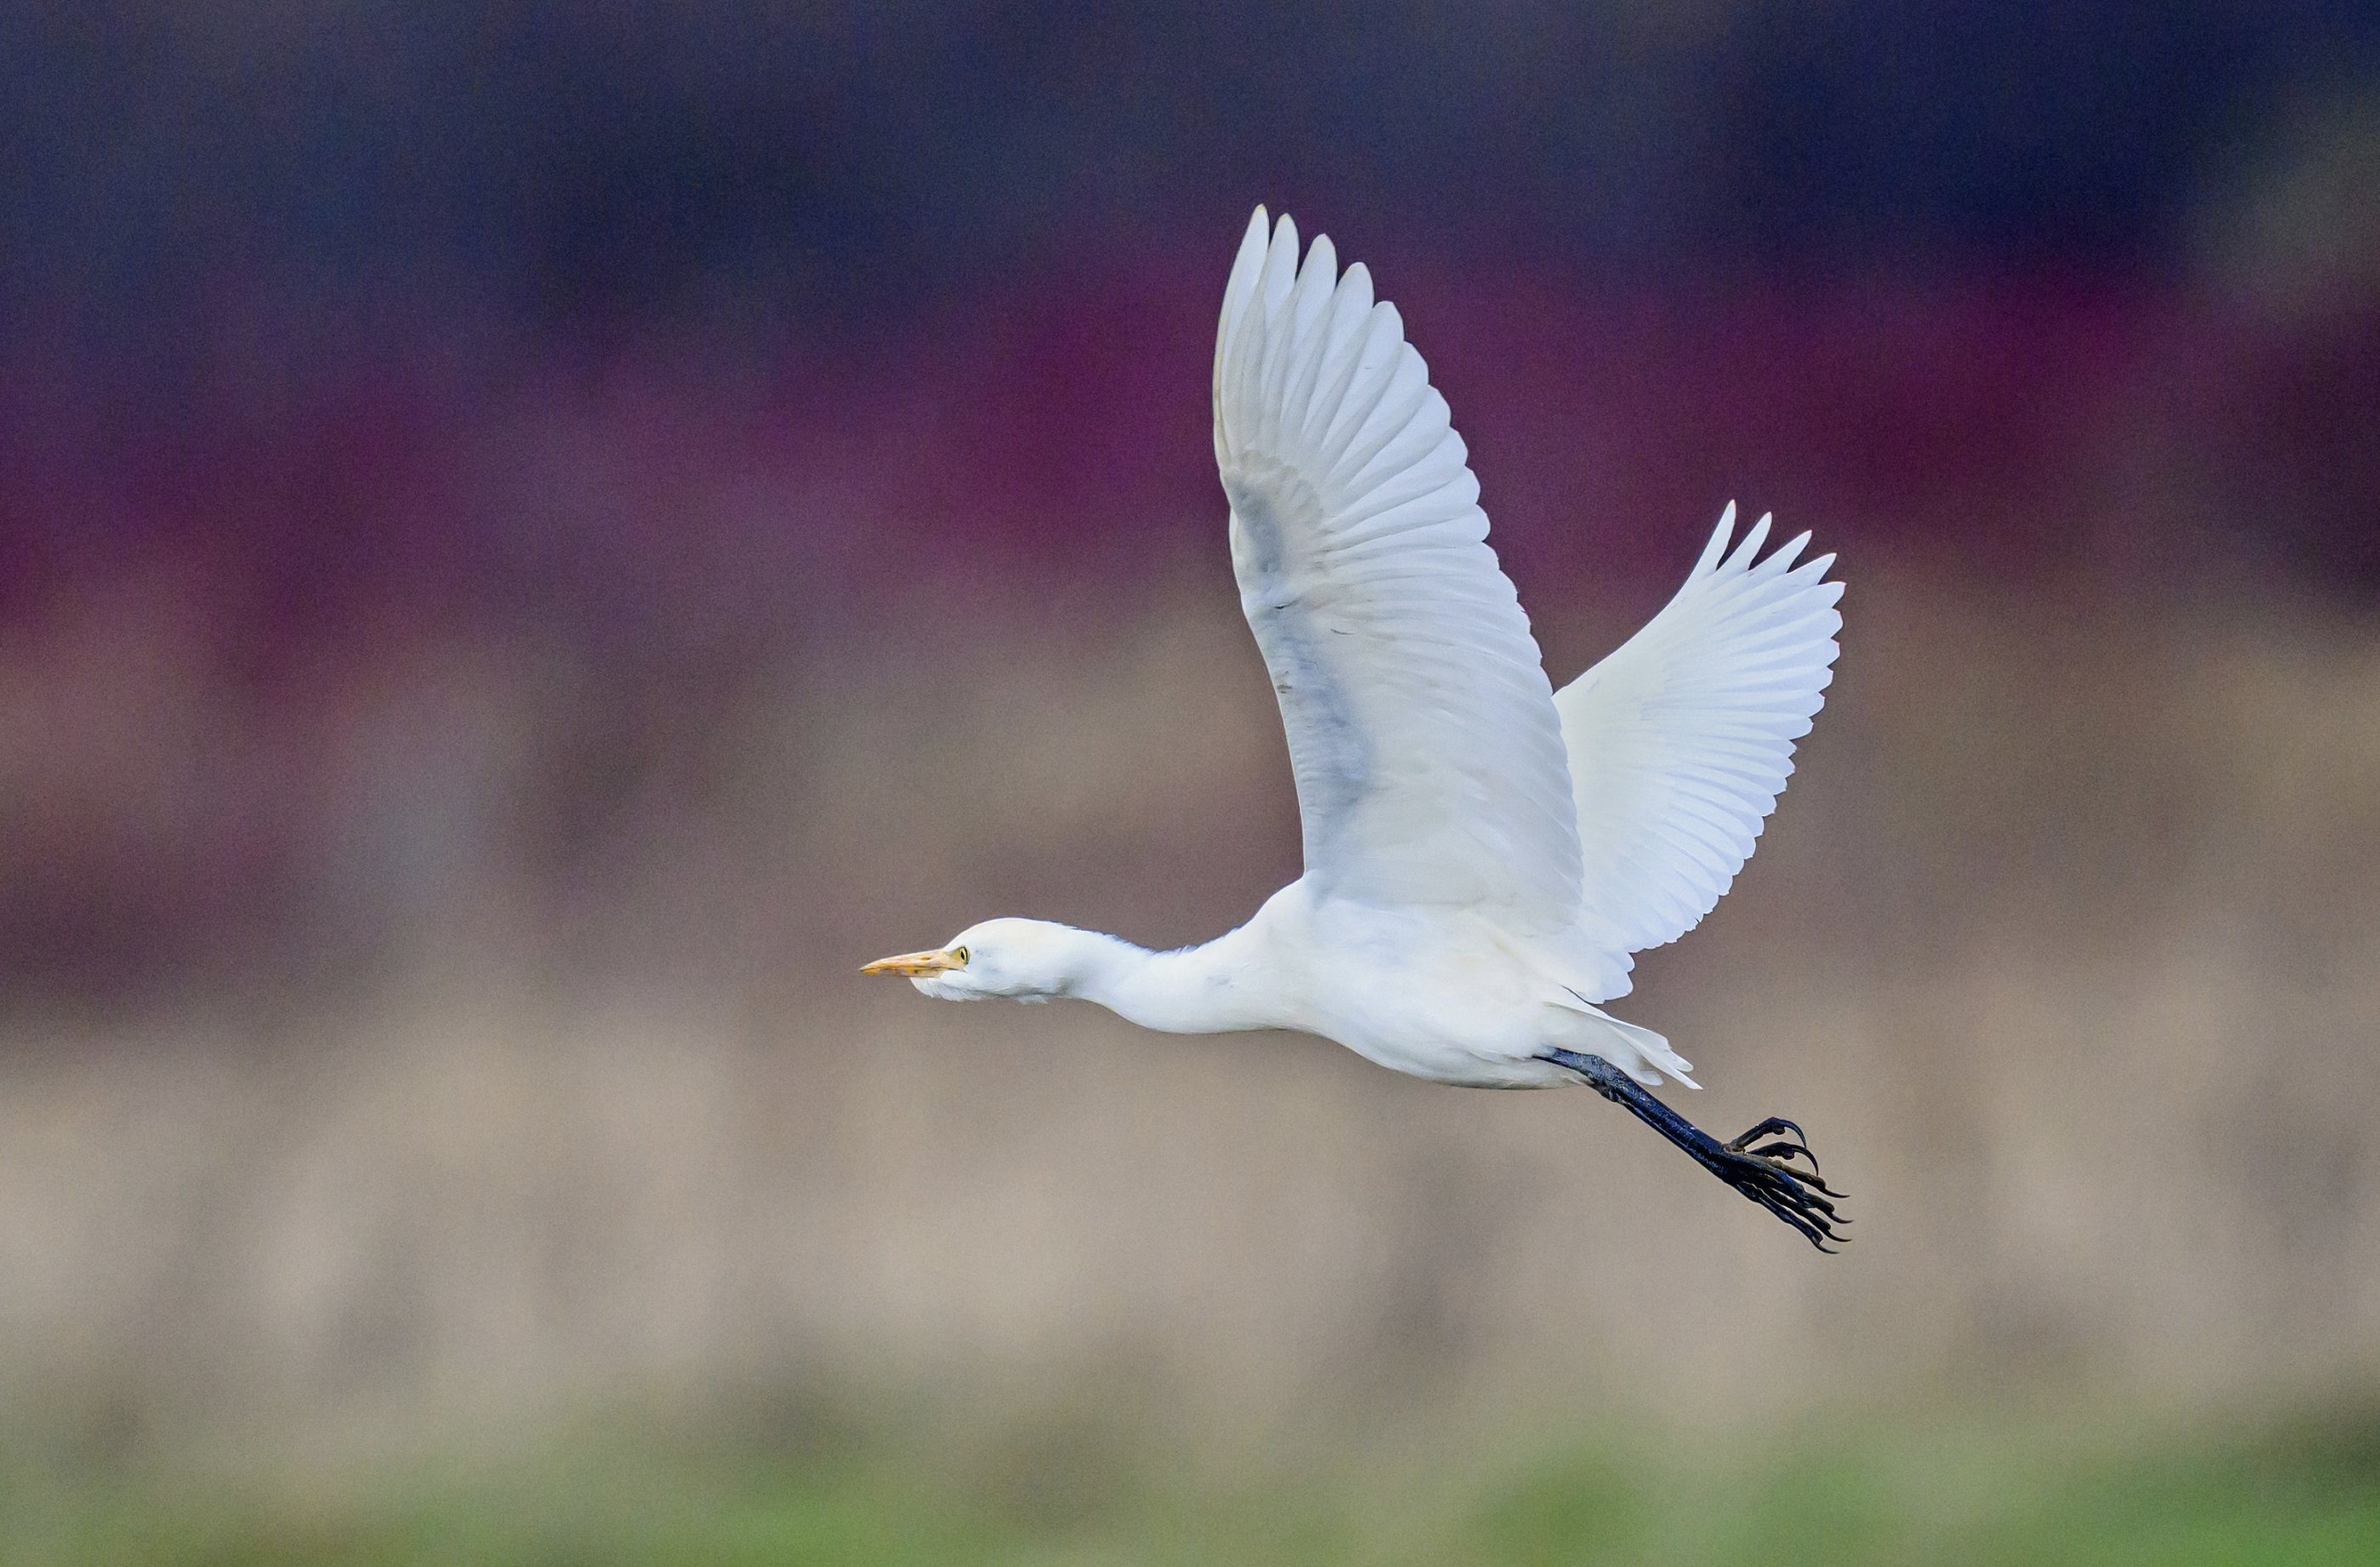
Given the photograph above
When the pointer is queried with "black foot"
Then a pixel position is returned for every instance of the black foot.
(1769, 1173)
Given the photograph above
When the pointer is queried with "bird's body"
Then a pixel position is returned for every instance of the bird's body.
(1440, 994)
(1483, 854)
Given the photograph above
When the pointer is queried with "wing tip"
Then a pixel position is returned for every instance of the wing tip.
(1247, 267)
(1747, 549)
(1720, 538)
(1725, 552)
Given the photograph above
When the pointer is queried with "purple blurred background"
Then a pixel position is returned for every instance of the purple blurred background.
(653, 334)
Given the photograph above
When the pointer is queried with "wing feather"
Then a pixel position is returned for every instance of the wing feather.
(1428, 756)
(1681, 739)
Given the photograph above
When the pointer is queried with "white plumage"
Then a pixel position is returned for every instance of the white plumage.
(1681, 740)
(1483, 854)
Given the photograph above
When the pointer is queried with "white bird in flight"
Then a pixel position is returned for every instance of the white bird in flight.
(1483, 853)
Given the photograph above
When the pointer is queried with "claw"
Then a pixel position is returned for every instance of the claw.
(1782, 1154)
(1772, 1124)
(1766, 1176)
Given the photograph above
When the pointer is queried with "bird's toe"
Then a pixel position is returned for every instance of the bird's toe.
(1770, 1175)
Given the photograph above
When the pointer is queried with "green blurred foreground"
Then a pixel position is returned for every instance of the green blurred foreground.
(2305, 1491)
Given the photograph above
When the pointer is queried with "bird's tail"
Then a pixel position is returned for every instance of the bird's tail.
(1635, 1050)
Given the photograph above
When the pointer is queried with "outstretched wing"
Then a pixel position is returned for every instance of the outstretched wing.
(1421, 725)
(1681, 739)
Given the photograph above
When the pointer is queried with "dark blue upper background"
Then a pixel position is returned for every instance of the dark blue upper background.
(580, 161)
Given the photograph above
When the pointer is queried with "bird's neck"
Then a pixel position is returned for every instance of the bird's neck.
(1193, 991)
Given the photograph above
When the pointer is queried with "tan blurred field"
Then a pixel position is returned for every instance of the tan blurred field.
(2063, 945)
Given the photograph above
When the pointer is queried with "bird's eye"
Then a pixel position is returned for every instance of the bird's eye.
(960, 953)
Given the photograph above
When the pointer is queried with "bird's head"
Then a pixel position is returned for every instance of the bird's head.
(1025, 960)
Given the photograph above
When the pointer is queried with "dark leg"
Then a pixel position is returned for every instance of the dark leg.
(1763, 1172)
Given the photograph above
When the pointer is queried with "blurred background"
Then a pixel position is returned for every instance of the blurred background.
(535, 538)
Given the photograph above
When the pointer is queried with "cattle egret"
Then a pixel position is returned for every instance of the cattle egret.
(1483, 854)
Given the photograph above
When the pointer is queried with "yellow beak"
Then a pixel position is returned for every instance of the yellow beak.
(909, 966)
